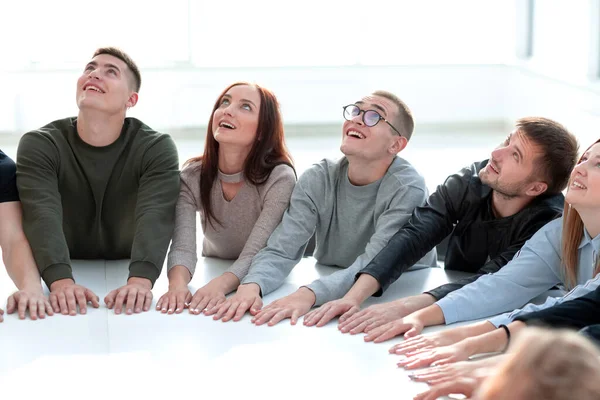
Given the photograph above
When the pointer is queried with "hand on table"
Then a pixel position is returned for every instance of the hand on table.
(246, 298)
(330, 310)
(371, 317)
(292, 306)
(175, 300)
(436, 356)
(465, 386)
(66, 295)
(32, 300)
(433, 340)
(136, 296)
(410, 326)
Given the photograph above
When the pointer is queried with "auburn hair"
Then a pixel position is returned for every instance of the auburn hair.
(572, 234)
(268, 150)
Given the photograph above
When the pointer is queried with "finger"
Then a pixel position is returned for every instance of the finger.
(294, 318)
(353, 322)
(139, 301)
(359, 328)
(265, 315)
(131, 298)
(219, 311)
(206, 302)
(348, 314)
(159, 302)
(241, 310)
(71, 302)
(33, 309)
(233, 310)
(279, 316)
(418, 362)
(328, 316)
(22, 307)
(385, 332)
(172, 303)
(147, 301)
(316, 315)
(49, 308)
(195, 302)
(414, 331)
(179, 305)
(439, 391)
(110, 299)
(81, 300)
(188, 298)
(41, 309)
(214, 302)
(62, 303)
(92, 297)
(11, 304)
(119, 300)
(256, 306)
(362, 315)
(54, 302)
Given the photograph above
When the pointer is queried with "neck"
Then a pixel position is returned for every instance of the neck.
(232, 158)
(99, 129)
(504, 206)
(590, 221)
(361, 172)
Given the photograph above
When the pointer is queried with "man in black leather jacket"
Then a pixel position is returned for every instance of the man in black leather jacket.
(489, 210)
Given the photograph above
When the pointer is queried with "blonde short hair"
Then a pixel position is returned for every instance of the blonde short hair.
(548, 365)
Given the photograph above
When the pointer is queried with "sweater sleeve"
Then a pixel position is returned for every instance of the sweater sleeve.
(183, 247)
(276, 199)
(285, 247)
(155, 208)
(37, 181)
(577, 313)
(534, 270)
(544, 216)
(426, 228)
(337, 284)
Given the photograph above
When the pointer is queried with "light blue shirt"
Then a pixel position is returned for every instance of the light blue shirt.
(533, 271)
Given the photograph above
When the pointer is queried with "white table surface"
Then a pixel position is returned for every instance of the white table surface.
(152, 355)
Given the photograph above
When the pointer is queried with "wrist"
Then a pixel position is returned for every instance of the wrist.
(145, 282)
(61, 283)
(250, 288)
(227, 282)
(179, 276)
(307, 295)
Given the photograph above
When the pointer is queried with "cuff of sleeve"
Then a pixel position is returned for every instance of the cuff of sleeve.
(144, 269)
(321, 292)
(503, 319)
(248, 279)
(449, 311)
(56, 272)
(435, 293)
(379, 291)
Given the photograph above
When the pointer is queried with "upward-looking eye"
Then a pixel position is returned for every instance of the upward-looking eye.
(224, 101)
(112, 71)
(247, 107)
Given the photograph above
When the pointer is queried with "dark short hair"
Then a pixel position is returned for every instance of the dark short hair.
(559, 150)
(404, 120)
(121, 55)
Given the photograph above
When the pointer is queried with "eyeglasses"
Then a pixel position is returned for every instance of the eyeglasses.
(369, 117)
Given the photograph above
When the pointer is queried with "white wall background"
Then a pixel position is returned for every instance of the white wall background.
(453, 62)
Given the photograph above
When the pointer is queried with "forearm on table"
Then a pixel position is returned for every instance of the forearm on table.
(20, 264)
(365, 286)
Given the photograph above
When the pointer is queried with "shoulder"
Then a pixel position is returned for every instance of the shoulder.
(326, 169)
(49, 134)
(551, 233)
(404, 173)
(143, 133)
(7, 165)
(282, 172)
(191, 172)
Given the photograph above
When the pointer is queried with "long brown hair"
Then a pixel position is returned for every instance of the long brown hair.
(268, 150)
(572, 234)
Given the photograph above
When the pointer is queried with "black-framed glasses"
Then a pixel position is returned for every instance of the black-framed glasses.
(369, 117)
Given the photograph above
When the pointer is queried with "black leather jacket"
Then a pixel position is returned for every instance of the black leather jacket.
(478, 243)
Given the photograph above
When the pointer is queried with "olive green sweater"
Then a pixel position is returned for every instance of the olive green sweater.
(86, 202)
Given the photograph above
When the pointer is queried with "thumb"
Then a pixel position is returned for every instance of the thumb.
(412, 332)
(294, 317)
(256, 306)
(11, 304)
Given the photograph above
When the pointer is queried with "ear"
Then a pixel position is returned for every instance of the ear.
(398, 144)
(536, 188)
(132, 101)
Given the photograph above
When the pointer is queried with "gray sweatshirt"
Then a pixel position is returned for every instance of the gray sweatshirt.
(352, 224)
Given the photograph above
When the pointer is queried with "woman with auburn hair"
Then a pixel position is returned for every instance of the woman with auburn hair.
(542, 364)
(241, 186)
(566, 248)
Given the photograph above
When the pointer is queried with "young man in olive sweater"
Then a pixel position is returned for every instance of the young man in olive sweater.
(99, 186)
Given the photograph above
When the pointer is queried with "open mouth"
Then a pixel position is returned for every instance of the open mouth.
(578, 185)
(226, 125)
(93, 88)
(355, 134)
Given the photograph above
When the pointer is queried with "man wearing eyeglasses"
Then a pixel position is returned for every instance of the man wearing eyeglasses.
(354, 205)
(489, 210)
